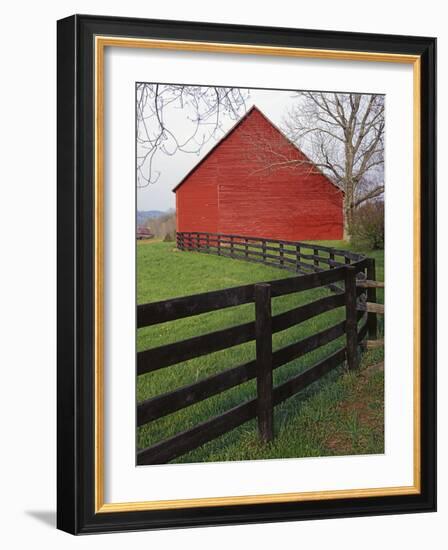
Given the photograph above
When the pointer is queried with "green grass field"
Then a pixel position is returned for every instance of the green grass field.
(340, 414)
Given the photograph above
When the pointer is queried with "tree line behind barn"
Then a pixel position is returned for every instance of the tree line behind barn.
(160, 226)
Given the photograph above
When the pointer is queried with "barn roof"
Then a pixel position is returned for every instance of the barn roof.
(232, 129)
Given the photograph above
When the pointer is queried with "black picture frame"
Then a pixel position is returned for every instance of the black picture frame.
(76, 272)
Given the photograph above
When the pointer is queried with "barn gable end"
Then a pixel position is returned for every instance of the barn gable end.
(255, 182)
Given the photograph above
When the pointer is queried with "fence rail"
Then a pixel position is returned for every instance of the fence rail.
(295, 256)
(355, 326)
(290, 255)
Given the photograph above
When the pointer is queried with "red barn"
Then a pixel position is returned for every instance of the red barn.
(255, 182)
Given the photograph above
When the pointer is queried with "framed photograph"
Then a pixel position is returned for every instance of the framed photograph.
(246, 274)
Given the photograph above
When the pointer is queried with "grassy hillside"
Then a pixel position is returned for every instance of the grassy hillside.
(320, 421)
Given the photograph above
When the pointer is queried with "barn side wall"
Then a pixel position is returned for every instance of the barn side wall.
(241, 189)
(197, 200)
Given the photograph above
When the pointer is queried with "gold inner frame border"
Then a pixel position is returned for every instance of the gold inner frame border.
(101, 42)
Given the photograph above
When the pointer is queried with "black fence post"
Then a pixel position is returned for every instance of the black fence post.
(297, 257)
(263, 335)
(316, 260)
(231, 246)
(372, 323)
(282, 252)
(351, 323)
(246, 247)
(331, 260)
(263, 244)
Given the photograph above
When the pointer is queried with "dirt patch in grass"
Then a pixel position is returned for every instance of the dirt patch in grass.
(359, 419)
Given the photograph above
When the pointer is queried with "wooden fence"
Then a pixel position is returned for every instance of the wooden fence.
(296, 256)
(355, 326)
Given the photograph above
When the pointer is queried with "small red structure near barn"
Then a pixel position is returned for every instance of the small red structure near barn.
(144, 233)
(256, 182)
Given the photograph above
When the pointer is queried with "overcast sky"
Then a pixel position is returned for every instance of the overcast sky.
(159, 195)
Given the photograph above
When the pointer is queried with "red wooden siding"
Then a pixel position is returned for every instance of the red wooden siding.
(197, 200)
(233, 190)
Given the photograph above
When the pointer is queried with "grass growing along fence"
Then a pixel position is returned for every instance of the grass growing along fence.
(164, 273)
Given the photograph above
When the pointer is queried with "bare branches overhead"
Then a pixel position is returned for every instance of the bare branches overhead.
(344, 135)
(341, 134)
(158, 107)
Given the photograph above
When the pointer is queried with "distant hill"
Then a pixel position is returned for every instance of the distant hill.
(144, 215)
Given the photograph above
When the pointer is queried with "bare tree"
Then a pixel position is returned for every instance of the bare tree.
(164, 225)
(160, 130)
(344, 136)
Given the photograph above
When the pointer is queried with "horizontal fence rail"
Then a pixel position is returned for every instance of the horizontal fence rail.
(295, 256)
(189, 395)
(356, 326)
(196, 304)
(188, 440)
